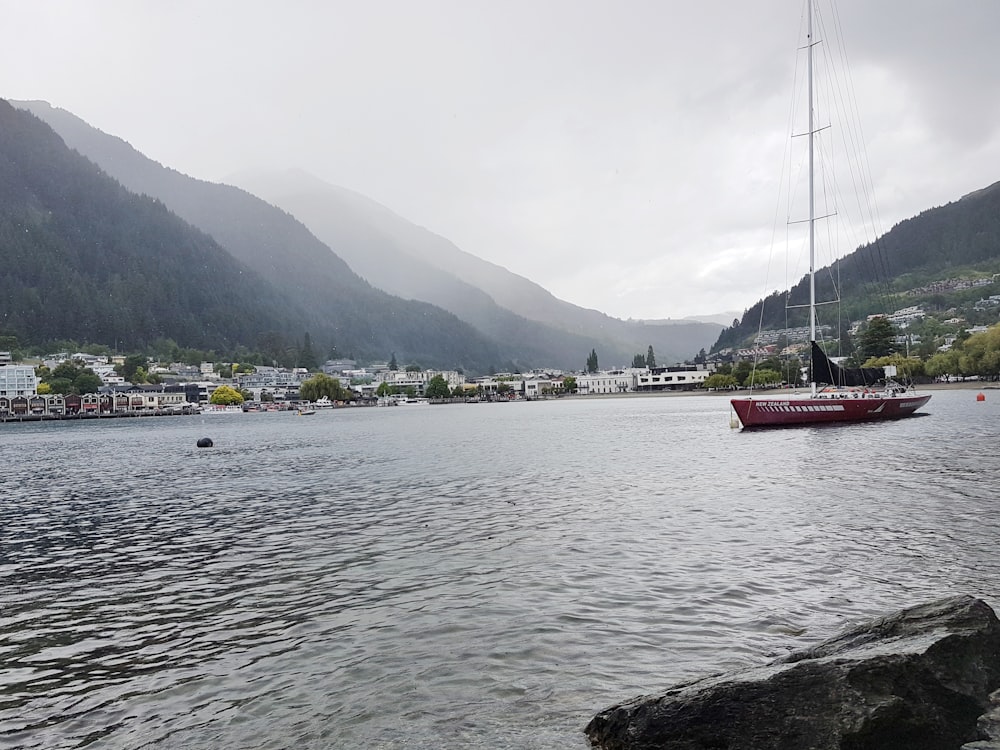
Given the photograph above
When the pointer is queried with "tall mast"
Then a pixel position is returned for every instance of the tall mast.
(812, 209)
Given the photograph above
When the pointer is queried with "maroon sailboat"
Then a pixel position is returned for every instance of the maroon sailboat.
(842, 395)
(837, 394)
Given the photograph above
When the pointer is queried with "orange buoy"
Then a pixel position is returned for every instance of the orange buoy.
(980, 397)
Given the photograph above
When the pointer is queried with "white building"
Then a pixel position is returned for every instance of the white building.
(610, 381)
(18, 380)
(671, 378)
(278, 382)
(108, 375)
(633, 379)
(418, 380)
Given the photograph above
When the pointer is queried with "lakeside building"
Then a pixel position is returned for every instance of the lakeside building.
(417, 380)
(18, 380)
(607, 381)
(672, 378)
(335, 367)
(635, 379)
(133, 401)
(275, 381)
(541, 386)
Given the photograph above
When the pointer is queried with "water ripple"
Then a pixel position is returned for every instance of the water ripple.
(482, 576)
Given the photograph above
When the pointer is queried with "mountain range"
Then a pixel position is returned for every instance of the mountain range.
(102, 244)
(84, 258)
(352, 268)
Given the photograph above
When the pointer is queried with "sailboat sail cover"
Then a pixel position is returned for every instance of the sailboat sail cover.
(830, 373)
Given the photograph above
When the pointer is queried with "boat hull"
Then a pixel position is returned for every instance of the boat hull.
(768, 411)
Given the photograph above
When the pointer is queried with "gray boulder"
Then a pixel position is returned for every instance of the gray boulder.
(916, 680)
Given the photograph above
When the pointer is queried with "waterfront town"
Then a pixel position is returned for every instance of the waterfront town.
(185, 389)
(177, 388)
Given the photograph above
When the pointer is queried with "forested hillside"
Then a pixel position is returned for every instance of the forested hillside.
(528, 326)
(83, 258)
(961, 238)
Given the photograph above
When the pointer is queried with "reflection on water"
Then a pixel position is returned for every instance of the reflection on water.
(466, 576)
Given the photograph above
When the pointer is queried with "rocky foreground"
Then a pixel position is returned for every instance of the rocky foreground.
(919, 679)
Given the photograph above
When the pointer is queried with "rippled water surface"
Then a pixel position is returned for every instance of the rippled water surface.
(485, 576)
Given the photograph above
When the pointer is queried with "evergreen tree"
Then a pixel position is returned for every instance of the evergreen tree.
(877, 338)
(307, 358)
(592, 365)
(638, 361)
(650, 358)
(393, 365)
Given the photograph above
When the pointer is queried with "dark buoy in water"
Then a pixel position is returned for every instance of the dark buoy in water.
(205, 442)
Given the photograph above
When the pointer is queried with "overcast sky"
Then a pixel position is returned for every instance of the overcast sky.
(624, 155)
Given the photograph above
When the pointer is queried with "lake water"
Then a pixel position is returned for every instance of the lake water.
(468, 576)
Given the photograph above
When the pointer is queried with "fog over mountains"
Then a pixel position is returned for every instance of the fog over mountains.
(83, 258)
(325, 237)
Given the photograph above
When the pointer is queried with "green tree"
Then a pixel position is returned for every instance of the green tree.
(130, 366)
(320, 385)
(67, 370)
(907, 368)
(569, 384)
(638, 361)
(70, 377)
(437, 387)
(877, 338)
(87, 382)
(650, 358)
(592, 365)
(765, 377)
(741, 371)
(392, 363)
(383, 390)
(225, 394)
(718, 382)
(979, 354)
(413, 368)
(61, 385)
